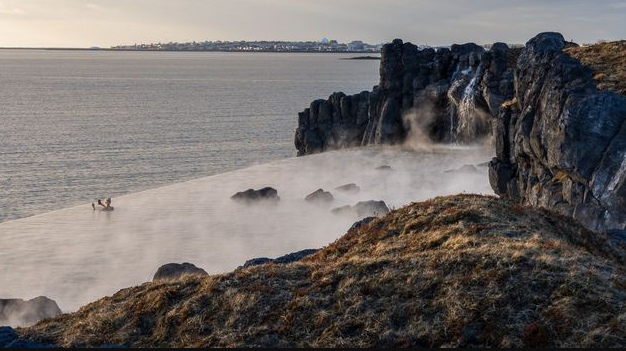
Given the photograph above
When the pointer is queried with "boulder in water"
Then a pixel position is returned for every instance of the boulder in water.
(16, 312)
(251, 195)
(175, 271)
(320, 196)
(349, 188)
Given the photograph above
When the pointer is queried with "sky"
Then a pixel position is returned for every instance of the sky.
(105, 23)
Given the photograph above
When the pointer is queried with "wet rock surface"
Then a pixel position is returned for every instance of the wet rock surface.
(562, 144)
(173, 271)
(16, 312)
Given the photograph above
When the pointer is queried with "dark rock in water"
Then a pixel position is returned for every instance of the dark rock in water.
(320, 196)
(22, 313)
(363, 222)
(349, 188)
(562, 144)
(465, 169)
(384, 168)
(363, 209)
(175, 271)
(343, 210)
(251, 195)
(290, 258)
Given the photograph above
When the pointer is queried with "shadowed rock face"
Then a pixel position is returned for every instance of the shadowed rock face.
(442, 95)
(15, 312)
(562, 145)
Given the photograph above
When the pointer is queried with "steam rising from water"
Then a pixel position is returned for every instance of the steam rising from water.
(76, 255)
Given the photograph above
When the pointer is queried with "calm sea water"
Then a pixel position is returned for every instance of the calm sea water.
(75, 126)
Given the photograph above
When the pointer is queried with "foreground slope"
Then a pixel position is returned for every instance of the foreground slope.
(455, 271)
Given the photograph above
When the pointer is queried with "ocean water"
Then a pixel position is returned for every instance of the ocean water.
(77, 255)
(78, 125)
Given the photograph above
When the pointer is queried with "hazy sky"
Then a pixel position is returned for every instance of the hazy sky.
(85, 23)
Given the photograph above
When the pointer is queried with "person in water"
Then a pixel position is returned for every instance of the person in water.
(106, 205)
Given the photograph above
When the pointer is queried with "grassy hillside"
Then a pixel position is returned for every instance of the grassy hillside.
(454, 271)
(608, 62)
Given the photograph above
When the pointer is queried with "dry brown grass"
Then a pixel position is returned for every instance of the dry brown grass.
(454, 271)
(608, 62)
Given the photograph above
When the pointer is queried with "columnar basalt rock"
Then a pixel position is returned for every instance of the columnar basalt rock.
(562, 143)
(441, 95)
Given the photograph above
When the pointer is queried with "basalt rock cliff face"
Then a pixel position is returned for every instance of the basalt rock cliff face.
(443, 95)
(562, 143)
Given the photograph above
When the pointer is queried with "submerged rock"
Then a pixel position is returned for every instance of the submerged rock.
(349, 188)
(173, 271)
(16, 312)
(290, 258)
(320, 196)
(363, 209)
(251, 195)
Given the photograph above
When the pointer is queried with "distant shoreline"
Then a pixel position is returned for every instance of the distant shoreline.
(202, 51)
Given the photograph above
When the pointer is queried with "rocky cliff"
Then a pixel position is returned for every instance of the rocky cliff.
(442, 95)
(561, 143)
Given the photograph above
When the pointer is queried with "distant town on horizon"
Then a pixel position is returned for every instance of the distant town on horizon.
(324, 45)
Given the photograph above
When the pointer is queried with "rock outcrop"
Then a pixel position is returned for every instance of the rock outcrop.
(440, 95)
(173, 271)
(290, 258)
(252, 196)
(320, 197)
(16, 312)
(561, 143)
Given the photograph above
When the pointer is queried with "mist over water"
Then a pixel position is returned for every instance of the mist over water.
(76, 255)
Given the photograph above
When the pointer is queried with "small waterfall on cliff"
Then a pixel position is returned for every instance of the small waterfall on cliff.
(464, 114)
(467, 106)
(458, 79)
